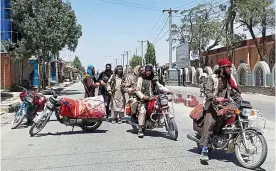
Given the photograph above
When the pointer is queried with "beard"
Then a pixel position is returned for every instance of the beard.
(227, 75)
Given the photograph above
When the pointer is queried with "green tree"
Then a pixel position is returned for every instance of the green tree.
(47, 27)
(135, 60)
(150, 57)
(77, 63)
(255, 16)
(202, 28)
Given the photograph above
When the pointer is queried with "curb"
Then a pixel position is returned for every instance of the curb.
(9, 108)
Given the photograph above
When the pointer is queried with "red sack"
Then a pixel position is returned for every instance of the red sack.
(197, 112)
(150, 106)
(91, 107)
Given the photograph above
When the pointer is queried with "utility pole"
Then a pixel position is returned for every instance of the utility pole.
(123, 60)
(170, 36)
(136, 52)
(116, 61)
(127, 60)
(142, 55)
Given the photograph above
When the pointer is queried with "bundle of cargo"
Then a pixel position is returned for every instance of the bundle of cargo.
(91, 107)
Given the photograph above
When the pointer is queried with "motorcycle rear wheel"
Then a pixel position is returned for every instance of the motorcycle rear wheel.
(172, 129)
(42, 124)
(95, 126)
(263, 155)
(16, 124)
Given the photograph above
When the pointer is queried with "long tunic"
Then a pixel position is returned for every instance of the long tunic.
(219, 87)
(117, 99)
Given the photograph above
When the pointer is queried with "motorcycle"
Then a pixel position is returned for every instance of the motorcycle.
(236, 131)
(158, 115)
(55, 105)
(32, 103)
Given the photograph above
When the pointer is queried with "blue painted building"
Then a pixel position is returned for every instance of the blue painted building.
(6, 26)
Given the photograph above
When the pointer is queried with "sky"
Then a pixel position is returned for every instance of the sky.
(110, 27)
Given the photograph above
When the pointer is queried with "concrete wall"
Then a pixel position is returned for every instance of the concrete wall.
(260, 73)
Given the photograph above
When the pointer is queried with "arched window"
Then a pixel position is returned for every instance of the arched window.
(242, 75)
(259, 77)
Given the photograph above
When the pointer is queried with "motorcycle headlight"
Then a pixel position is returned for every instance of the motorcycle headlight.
(49, 105)
(164, 102)
(29, 99)
(248, 112)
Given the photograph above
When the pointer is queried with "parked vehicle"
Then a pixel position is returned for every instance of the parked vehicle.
(158, 115)
(31, 103)
(71, 113)
(237, 132)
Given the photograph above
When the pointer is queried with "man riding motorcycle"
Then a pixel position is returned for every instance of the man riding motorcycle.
(147, 86)
(103, 78)
(219, 86)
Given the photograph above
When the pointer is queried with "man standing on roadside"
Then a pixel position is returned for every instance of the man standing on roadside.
(103, 78)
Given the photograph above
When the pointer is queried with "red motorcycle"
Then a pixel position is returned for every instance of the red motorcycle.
(235, 131)
(158, 115)
(32, 103)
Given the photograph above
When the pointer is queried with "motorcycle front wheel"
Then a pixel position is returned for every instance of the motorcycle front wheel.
(172, 129)
(243, 158)
(17, 120)
(37, 127)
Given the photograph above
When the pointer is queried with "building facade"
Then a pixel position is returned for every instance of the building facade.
(246, 53)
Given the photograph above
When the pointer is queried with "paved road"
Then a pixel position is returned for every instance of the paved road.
(266, 104)
(111, 148)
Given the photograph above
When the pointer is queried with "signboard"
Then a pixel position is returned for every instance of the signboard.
(182, 55)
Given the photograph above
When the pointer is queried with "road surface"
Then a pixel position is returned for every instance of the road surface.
(112, 147)
(265, 104)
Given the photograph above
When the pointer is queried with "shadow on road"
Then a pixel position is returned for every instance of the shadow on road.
(152, 133)
(221, 155)
(71, 133)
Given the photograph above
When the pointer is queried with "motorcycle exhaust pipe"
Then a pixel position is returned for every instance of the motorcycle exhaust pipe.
(193, 138)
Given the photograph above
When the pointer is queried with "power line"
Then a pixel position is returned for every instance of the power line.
(161, 37)
(128, 4)
(156, 23)
(186, 4)
(131, 3)
(161, 29)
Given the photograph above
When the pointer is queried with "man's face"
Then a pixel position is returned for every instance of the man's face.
(108, 67)
(120, 71)
(227, 70)
(148, 73)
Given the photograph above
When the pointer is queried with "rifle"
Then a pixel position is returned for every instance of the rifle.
(85, 88)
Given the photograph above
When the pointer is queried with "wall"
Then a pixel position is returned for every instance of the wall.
(247, 54)
(268, 77)
(5, 72)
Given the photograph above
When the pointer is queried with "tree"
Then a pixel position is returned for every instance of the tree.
(202, 28)
(47, 27)
(257, 15)
(150, 57)
(135, 60)
(76, 63)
